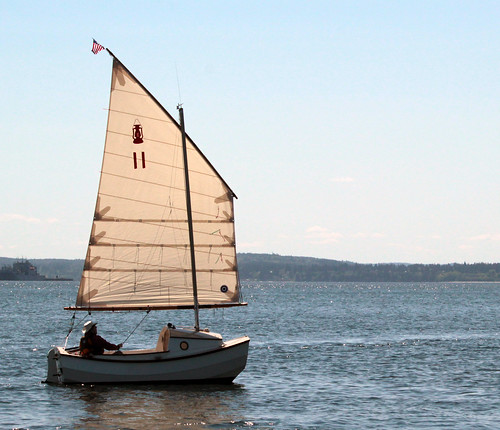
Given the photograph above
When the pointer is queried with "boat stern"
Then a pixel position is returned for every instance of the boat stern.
(53, 372)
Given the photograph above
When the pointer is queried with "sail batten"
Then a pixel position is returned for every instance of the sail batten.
(144, 201)
(166, 269)
(173, 221)
(152, 307)
(151, 245)
(139, 252)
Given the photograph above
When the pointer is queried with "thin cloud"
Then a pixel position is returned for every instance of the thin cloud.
(486, 237)
(342, 179)
(361, 235)
(19, 217)
(26, 219)
(249, 245)
(432, 237)
(321, 235)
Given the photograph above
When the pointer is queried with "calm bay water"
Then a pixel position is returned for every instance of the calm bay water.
(324, 356)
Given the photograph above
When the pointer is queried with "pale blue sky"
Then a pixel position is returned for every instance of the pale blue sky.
(352, 130)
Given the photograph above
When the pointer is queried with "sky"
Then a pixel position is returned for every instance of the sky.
(363, 131)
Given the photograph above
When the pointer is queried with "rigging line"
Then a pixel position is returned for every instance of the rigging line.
(167, 207)
(72, 325)
(177, 235)
(140, 322)
(160, 230)
(178, 84)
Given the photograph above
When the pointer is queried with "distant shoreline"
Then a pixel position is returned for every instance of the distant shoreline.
(25, 270)
(274, 267)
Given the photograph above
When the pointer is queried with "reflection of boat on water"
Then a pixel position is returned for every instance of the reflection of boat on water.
(160, 406)
(162, 238)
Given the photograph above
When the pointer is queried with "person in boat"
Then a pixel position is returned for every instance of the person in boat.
(93, 344)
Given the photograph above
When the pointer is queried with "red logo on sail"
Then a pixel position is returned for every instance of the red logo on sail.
(142, 159)
(137, 133)
(138, 138)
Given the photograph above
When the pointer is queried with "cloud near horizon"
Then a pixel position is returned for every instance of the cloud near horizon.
(487, 236)
(24, 218)
(361, 235)
(322, 235)
(342, 179)
(250, 245)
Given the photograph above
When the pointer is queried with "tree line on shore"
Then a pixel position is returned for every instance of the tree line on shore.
(274, 267)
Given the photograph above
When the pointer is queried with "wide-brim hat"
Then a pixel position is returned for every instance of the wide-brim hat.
(88, 326)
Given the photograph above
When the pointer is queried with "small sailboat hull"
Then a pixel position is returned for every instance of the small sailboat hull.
(216, 364)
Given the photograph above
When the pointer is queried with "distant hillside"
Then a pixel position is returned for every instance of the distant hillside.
(273, 267)
(52, 267)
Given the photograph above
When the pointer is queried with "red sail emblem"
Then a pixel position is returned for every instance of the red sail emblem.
(138, 137)
(137, 133)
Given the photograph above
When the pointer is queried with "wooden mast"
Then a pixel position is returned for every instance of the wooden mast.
(190, 221)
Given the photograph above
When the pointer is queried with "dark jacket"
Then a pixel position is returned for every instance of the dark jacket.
(95, 345)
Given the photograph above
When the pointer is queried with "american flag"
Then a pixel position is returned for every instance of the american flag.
(96, 47)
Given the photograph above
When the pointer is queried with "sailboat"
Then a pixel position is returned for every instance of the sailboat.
(162, 238)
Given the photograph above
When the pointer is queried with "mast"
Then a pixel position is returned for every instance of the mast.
(190, 221)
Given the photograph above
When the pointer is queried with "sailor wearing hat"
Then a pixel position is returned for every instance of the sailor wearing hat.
(92, 344)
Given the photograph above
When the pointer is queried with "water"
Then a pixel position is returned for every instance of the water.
(322, 356)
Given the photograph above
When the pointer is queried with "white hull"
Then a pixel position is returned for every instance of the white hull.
(207, 359)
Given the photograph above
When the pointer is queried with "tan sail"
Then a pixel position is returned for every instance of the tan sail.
(139, 251)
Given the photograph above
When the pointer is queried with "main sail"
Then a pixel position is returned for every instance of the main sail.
(138, 256)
